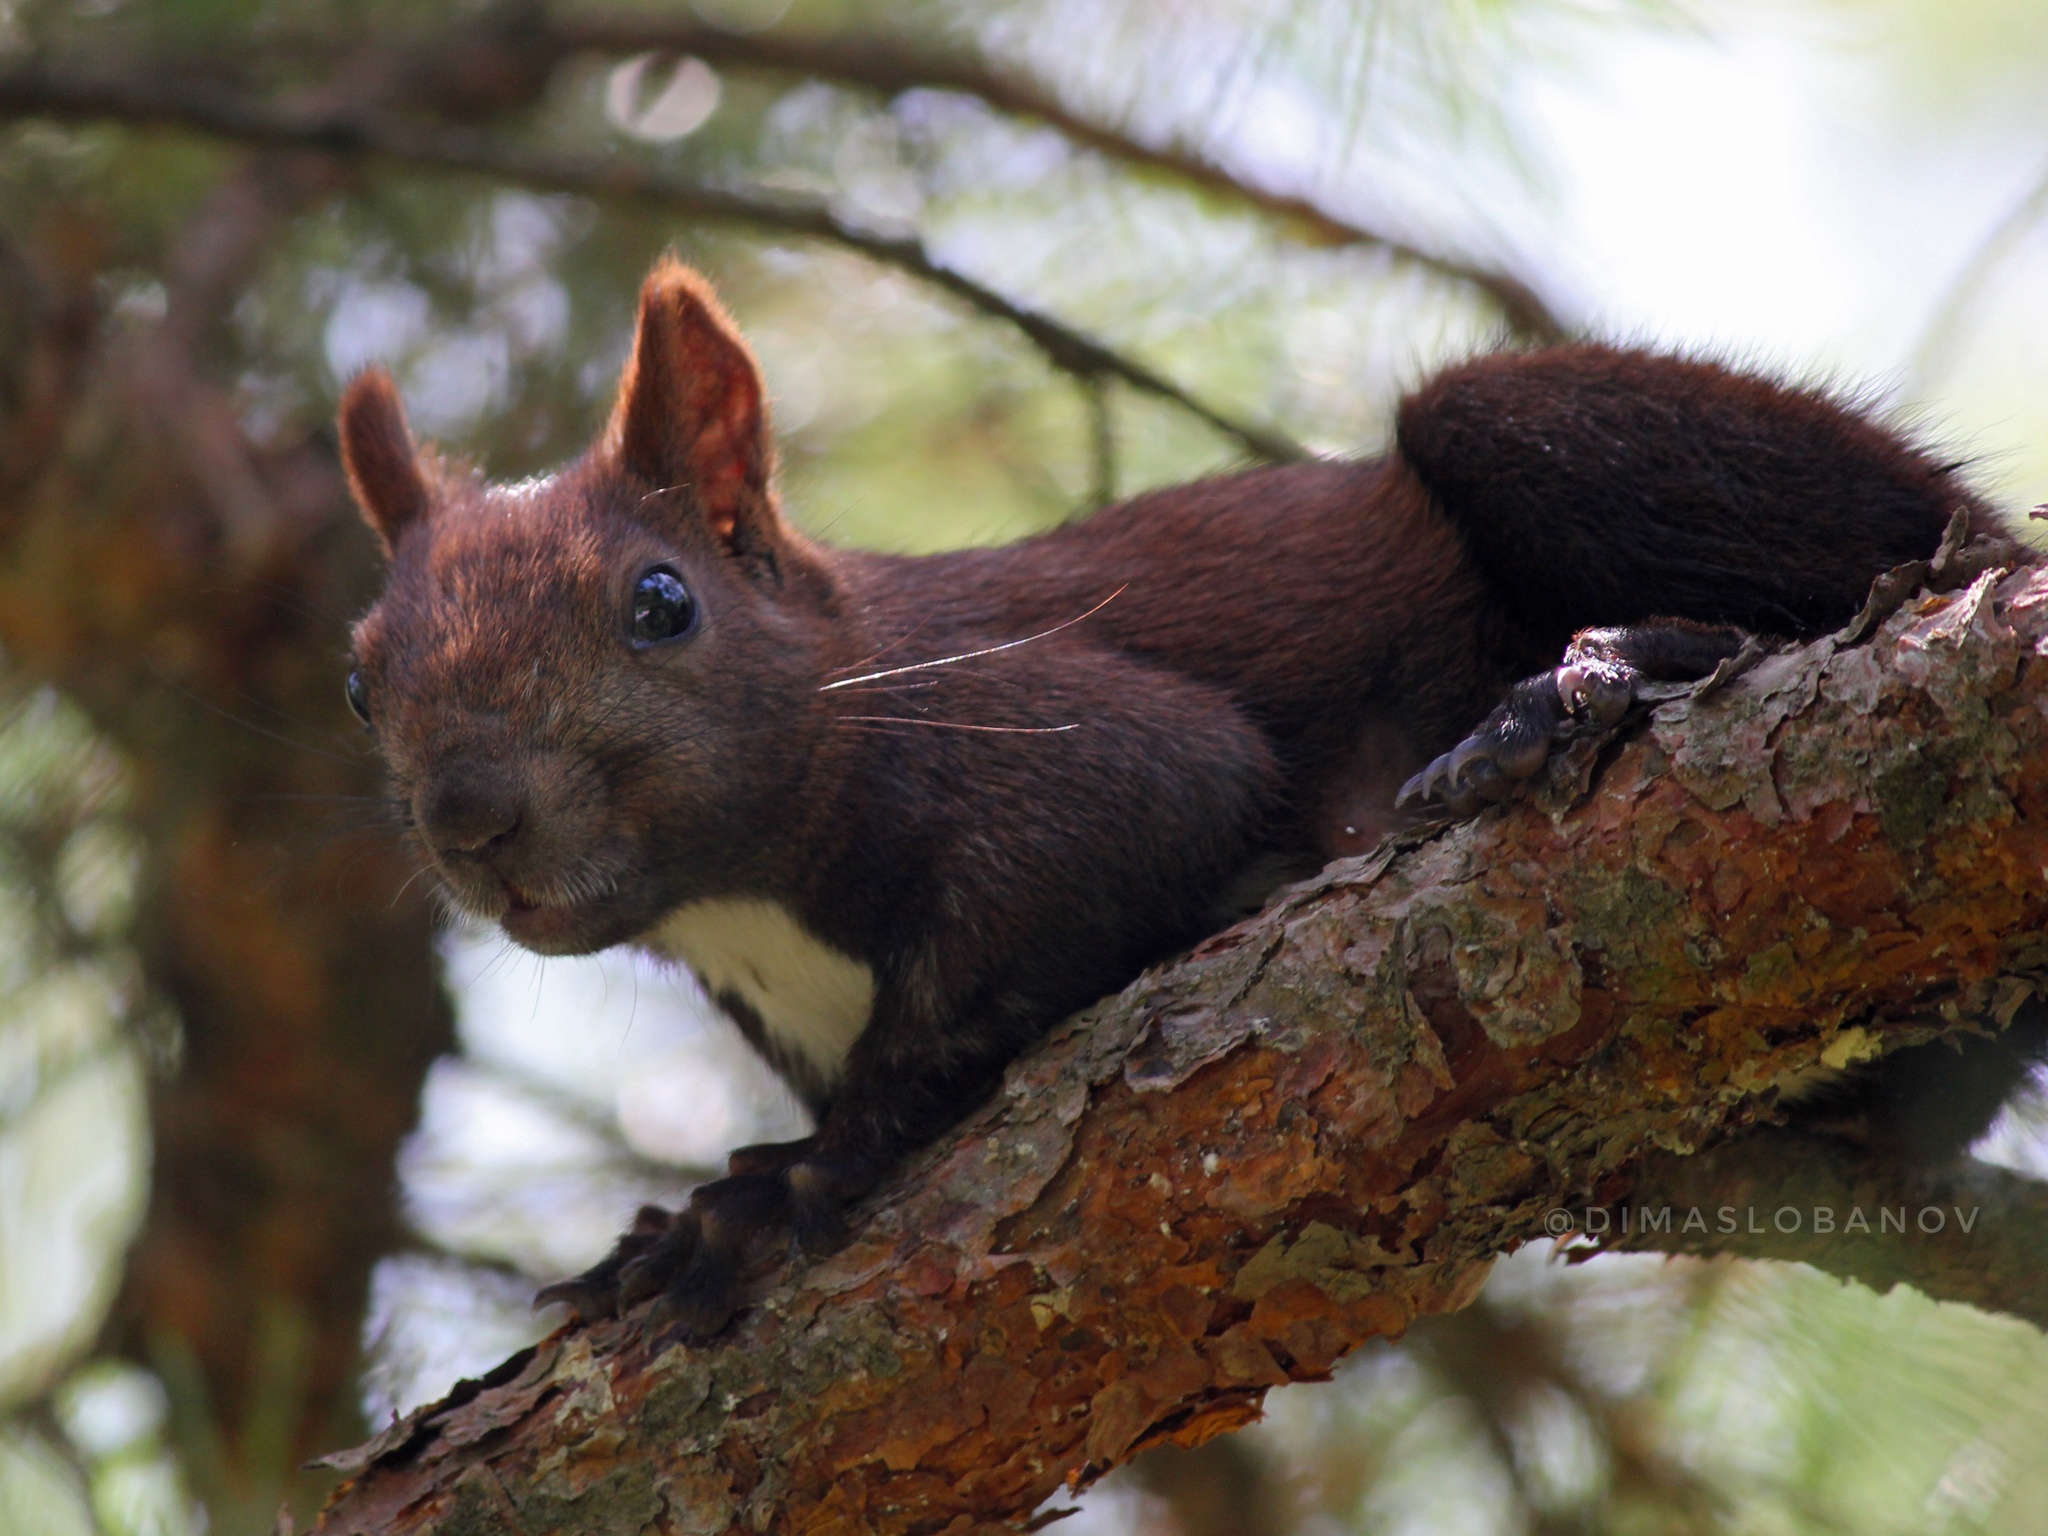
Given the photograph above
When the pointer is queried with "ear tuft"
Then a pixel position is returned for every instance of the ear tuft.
(690, 404)
(378, 453)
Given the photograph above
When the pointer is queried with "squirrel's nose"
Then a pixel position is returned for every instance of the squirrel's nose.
(471, 811)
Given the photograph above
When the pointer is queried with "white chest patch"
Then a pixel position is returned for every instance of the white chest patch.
(812, 1000)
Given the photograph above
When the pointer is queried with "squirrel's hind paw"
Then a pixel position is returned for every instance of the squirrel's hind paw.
(1580, 699)
(1514, 742)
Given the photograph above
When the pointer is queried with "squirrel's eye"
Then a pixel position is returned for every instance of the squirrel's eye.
(359, 696)
(662, 607)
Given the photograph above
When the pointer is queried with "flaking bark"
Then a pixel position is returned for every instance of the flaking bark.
(1326, 1121)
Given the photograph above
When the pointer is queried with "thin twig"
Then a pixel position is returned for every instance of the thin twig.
(1101, 444)
(41, 1416)
(1933, 352)
(892, 68)
(33, 92)
(517, 48)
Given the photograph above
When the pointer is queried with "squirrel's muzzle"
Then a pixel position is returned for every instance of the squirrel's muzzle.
(472, 811)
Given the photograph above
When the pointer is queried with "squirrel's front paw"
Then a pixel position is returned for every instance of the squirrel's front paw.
(594, 1294)
(699, 1266)
(691, 1263)
(1514, 742)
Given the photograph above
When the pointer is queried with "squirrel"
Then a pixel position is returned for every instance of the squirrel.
(901, 814)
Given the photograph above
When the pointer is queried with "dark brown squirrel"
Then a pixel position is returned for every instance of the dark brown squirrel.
(901, 814)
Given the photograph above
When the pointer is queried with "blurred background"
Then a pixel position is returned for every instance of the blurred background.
(281, 1155)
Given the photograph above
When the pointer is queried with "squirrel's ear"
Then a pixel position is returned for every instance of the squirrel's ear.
(378, 453)
(690, 403)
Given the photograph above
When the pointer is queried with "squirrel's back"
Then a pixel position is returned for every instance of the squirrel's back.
(903, 814)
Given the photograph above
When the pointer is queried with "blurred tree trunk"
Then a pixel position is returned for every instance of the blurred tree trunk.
(190, 590)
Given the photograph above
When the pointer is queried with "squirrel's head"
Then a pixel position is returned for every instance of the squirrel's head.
(596, 691)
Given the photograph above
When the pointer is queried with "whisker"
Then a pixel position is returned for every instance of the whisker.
(915, 683)
(250, 725)
(870, 660)
(589, 734)
(291, 599)
(955, 725)
(1007, 645)
(400, 896)
(360, 799)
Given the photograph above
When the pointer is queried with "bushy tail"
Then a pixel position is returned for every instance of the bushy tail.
(1598, 486)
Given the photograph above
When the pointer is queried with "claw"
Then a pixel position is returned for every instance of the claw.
(1436, 781)
(1517, 739)
(768, 1156)
(1594, 692)
(1475, 766)
(588, 1300)
(694, 1320)
(1462, 780)
(651, 1221)
(1460, 800)
(594, 1294)
(689, 1263)
(1522, 759)
(817, 1210)
(1485, 777)
(700, 1301)
(649, 1273)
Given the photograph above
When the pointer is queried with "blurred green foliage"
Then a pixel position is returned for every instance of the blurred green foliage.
(1666, 1396)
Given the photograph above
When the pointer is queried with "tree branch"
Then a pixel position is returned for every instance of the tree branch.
(1500, 1362)
(891, 68)
(1972, 1233)
(29, 91)
(501, 60)
(1943, 331)
(1324, 1122)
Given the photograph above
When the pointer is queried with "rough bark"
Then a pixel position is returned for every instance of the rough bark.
(1326, 1121)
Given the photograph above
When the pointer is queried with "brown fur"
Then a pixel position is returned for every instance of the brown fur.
(690, 407)
(1000, 839)
(383, 466)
